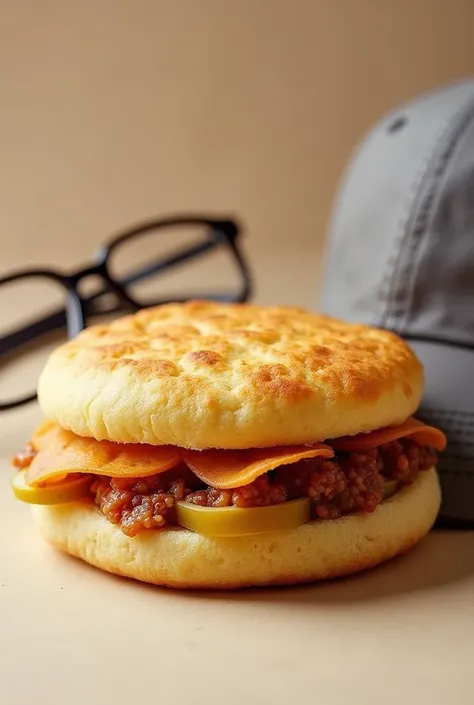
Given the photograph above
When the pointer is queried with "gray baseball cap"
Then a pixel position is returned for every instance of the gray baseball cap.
(400, 255)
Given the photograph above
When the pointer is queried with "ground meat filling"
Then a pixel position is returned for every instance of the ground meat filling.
(350, 482)
(143, 503)
(401, 460)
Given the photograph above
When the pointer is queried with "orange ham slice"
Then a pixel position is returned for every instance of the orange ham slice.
(421, 433)
(226, 469)
(61, 452)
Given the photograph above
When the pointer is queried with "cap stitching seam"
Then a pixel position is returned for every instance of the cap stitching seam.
(388, 292)
(423, 218)
(436, 340)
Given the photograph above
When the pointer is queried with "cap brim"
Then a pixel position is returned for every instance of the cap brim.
(449, 404)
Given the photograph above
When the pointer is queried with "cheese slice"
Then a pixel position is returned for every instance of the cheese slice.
(61, 452)
(226, 469)
(421, 433)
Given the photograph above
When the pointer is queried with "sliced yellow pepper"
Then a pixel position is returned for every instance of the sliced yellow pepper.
(67, 490)
(389, 488)
(237, 521)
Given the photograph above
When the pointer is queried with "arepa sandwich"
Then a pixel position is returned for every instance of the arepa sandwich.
(206, 445)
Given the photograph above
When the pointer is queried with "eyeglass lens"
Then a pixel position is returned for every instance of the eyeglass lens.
(155, 265)
(22, 304)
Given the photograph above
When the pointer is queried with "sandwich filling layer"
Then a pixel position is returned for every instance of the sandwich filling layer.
(139, 488)
(346, 483)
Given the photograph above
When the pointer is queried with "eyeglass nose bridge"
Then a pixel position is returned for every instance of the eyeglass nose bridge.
(94, 270)
(82, 306)
(230, 228)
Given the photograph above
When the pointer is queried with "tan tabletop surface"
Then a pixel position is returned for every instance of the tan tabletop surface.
(403, 633)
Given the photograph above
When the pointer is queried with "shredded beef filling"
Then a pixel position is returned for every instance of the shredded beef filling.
(350, 482)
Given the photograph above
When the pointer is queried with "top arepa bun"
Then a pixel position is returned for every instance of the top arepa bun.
(202, 374)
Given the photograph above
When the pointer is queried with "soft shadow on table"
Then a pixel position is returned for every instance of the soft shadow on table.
(443, 557)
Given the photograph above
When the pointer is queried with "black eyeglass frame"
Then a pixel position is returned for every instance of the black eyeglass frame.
(80, 309)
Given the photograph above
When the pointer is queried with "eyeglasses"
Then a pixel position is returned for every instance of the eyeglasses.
(155, 262)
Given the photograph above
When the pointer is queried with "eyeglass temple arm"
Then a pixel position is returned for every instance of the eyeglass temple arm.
(194, 252)
(171, 261)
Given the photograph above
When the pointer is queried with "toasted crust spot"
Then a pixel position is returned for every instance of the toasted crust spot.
(207, 375)
(205, 358)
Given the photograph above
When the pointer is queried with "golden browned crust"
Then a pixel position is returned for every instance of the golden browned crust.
(202, 375)
(183, 559)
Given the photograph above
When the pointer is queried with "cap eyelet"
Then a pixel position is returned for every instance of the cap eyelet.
(397, 124)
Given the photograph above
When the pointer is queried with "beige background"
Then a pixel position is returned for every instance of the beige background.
(114, 111)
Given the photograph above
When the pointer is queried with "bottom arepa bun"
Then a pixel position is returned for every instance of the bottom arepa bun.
(179, 558)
